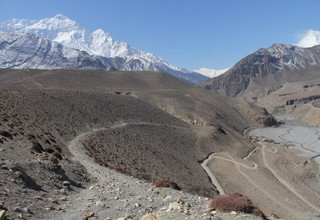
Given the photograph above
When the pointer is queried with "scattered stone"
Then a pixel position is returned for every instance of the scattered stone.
(213, 212)
(66, 183)
(148, 217)
(137, 205)
(16, 209)
(174, 206)
(89, 214)
(26, 210)
(37, 198)
(100, 203)
(167, 198)
(49, 208)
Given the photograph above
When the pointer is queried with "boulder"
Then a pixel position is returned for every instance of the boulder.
(2, 214)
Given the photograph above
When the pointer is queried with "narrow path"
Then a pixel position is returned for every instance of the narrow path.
(214, 180)
(232, 160)
(238, 166)
(284, 182)
(114, 195)
(250, 153)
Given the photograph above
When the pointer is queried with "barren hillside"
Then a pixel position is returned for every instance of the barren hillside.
(170, 127)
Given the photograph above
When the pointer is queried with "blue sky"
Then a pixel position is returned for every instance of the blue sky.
(186, 33)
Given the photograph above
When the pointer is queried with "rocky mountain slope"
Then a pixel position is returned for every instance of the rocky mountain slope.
(42, 111)
(20, 51)
(267, 70)
(62, 30)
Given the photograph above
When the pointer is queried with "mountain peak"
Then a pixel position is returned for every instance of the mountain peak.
(60, 16)
(211, 72)
(68, 33)
(102, 34)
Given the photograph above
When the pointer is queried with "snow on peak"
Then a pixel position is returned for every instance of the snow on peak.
(70, 34)
(67, 32)
(60, 16)
(309, 39)
(211, 72)
(56, 23)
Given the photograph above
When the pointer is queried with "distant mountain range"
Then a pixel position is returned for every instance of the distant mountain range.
(20, 51)
(211, 72)
(62, 30)
(267, 70)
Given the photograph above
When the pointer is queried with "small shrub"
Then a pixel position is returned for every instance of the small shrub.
(234, 202)
(166, 184)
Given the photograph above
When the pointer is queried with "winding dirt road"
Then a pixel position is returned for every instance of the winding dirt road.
(242, 167)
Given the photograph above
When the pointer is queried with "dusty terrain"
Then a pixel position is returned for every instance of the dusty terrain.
(298, 99)
(42, 111)
(114, 196)
(280, 176)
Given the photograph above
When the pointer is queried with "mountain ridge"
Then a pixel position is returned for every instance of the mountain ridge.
(69, 33)
(266, 70)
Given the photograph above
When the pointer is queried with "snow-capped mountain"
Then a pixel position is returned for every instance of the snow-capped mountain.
(211, 72)
(268, 69)
(309, 39)
(19, 51)
(63, 30)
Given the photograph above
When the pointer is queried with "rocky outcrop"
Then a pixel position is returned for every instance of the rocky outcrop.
(302, 100)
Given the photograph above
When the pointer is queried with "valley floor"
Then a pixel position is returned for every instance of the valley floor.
(281, 176)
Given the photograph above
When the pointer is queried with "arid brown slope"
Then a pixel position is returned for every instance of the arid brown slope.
(171, 128)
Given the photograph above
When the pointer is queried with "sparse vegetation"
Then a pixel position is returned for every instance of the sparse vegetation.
(234, 202)
(166, 183)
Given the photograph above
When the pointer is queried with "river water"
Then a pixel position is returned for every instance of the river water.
(294, 132)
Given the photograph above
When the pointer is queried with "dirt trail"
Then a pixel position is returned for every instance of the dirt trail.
(241, 167)
(211, 176)
(285, 183)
